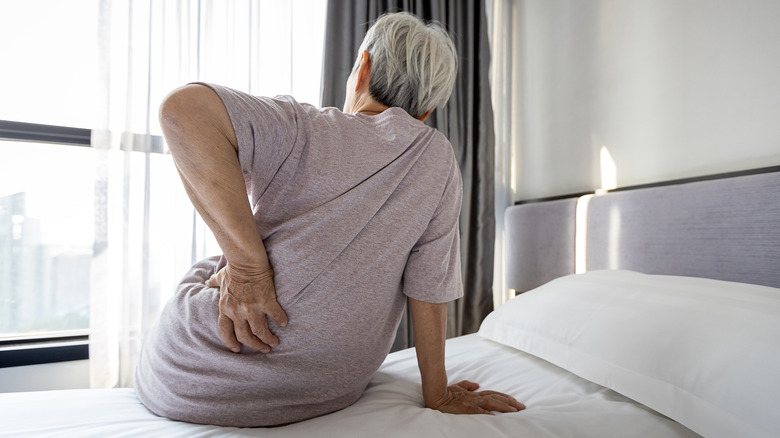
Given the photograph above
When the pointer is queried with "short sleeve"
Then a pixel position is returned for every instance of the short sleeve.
(433, 270)
(266, 130)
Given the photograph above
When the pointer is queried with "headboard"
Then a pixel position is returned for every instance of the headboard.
(539, 243)
(726, 229)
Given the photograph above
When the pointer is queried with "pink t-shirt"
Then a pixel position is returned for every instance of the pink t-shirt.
(357, 212)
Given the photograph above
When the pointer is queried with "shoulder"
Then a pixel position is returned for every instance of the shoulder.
(440, 151)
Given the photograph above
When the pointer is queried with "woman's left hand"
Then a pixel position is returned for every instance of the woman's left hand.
(245, 299)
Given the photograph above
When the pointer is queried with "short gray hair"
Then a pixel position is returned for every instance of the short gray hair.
(413, 65)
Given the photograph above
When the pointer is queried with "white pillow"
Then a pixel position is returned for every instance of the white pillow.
(704, 352)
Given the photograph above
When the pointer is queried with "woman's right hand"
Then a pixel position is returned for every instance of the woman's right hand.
(463, 398)
(246, 298)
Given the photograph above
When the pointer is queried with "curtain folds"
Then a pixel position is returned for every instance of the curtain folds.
(142, 240)
(506, 91)
(466, 120)
(147, 234)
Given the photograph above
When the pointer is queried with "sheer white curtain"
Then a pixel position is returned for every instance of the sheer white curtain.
(147, 233)
(504, 17)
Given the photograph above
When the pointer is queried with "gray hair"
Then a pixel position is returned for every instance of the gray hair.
(413, 65)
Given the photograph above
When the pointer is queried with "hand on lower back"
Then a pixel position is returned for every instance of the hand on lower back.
(246, 299)
(463, 398)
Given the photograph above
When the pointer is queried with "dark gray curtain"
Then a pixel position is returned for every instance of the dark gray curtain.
(466, 120)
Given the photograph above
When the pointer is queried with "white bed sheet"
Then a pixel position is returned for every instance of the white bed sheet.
(559, 404)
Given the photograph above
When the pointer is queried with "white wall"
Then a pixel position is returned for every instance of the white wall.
(671, 88)
(61, 375)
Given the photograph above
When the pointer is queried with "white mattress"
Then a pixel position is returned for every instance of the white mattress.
(559, 404)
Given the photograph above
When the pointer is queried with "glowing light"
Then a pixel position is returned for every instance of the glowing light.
(608, 171)
(580, 234)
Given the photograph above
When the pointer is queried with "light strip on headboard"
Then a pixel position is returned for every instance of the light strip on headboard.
(580, 234)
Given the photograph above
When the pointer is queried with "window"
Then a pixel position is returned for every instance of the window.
(46, 190)
(46, 236)
(51, 197)
(52, 46)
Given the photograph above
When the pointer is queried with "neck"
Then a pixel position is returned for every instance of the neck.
(370, 112)
(367, 105)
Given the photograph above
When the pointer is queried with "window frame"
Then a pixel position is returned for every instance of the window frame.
(24, 350)
(39, 133)
(50, 346)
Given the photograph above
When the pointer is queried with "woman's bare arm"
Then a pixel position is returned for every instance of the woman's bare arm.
(203, 144)
(430, 323)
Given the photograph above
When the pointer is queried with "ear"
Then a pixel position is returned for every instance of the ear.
(424, 117)
(363, 71)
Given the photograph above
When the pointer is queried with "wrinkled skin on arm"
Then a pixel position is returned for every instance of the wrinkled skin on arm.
(203, 144)
(430, 323)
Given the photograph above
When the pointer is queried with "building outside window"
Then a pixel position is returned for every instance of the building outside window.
(52, 198)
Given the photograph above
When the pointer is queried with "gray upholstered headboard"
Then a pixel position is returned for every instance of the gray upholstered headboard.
(726, 229)
(539, 243)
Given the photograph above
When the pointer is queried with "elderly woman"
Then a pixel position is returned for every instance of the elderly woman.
(350, 215)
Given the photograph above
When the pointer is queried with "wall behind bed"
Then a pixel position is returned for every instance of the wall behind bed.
(648, 90)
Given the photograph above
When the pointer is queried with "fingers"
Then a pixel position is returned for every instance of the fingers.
(246, 303)
(253, 333)
(475, 410)
(247, 337)
(468, 386)
(227, 333)
(216, 279)
(258, 325)
(253, 319)
(508, 399)
(499, 403)
(469, 401)
(276, 313)
(238, 326)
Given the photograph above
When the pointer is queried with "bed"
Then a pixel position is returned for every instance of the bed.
(652, 312)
